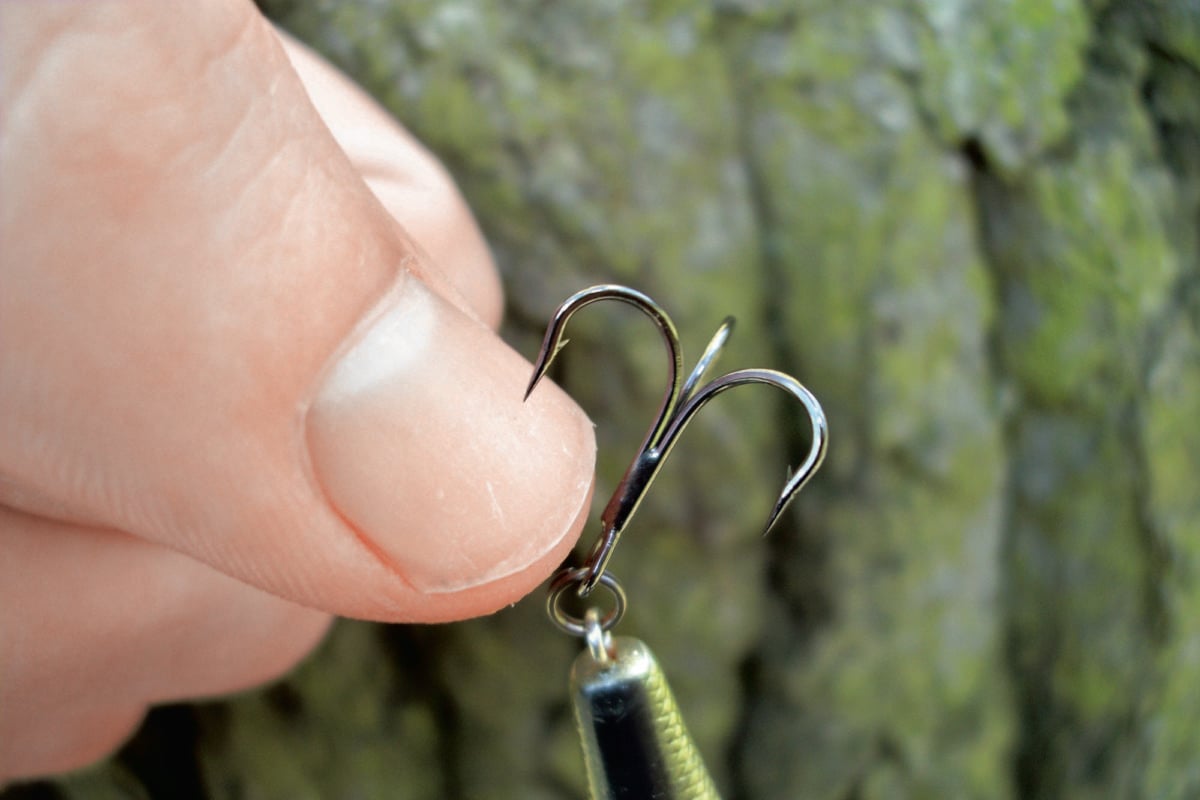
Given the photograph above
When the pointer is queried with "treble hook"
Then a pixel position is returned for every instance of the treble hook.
(679, 406)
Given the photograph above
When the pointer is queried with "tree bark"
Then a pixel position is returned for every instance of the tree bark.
(971, 228)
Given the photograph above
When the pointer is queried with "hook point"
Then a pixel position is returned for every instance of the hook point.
(533, 382)
(776, 512)
(544, 360)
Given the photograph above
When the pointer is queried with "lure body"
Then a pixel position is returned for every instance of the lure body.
(635, 745)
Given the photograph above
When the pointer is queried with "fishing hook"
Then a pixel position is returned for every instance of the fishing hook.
(679, 406)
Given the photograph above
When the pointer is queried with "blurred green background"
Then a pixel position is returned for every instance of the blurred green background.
(972, 228)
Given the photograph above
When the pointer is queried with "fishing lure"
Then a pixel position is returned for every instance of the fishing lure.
(635, 744)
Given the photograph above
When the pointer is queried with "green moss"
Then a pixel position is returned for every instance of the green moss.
(1172, 448)
(107, 781)
(1000, 72)
(342, 727)
(886, 308)
(1077, 310)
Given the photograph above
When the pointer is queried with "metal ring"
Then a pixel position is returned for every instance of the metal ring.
(577, 626)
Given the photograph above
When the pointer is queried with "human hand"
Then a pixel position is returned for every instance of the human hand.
(236, 395)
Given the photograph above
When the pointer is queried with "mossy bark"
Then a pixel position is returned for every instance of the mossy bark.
(971, 228)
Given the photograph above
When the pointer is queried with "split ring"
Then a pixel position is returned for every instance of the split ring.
(574, 625)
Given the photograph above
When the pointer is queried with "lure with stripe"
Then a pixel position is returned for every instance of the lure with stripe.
(635, 745)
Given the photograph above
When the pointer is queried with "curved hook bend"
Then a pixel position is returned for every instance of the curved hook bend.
(553, 342)
(819, 440)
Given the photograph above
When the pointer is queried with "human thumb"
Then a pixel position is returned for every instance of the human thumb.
(214, 337)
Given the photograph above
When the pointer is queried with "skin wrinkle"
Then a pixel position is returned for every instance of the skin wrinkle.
(370, 137)
(362, 131)
(249, 197)
(276, 156)
(253, 112)
(213, 166)
(212, 163)
(236, 43)
(65, 471)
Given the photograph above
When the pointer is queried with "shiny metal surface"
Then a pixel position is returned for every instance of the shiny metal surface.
(635, 744)
(679, 406)
(577, 626)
